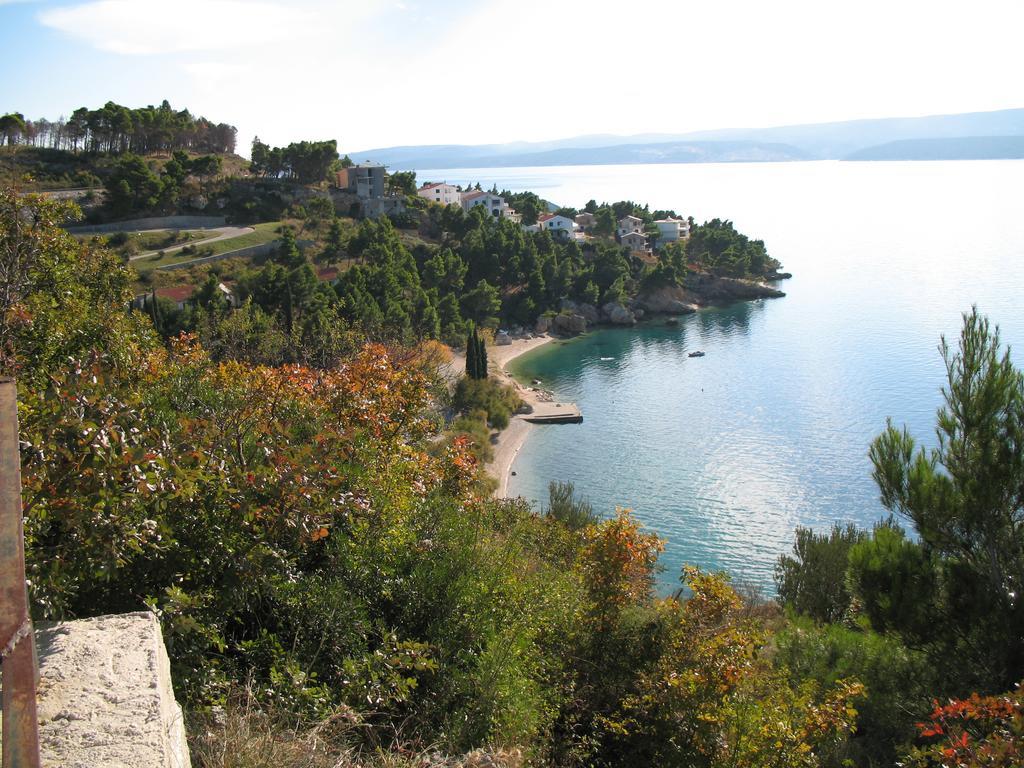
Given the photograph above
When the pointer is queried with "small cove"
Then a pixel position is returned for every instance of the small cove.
(724, 455)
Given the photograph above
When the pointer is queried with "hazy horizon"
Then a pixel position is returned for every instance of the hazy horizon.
(707, 129)
(382, 73)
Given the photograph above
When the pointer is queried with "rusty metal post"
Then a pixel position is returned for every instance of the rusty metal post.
(17, 640)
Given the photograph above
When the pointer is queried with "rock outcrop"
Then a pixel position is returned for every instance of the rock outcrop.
(723, 290)
(106, 697)
(700, 290)
(666, 300)
(587, 311)
(569, 324)
(616, 314)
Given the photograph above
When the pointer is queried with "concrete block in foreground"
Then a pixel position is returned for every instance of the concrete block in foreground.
(105, 696)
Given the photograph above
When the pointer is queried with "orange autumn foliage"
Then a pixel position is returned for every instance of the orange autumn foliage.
(618, 562)
(976, 732)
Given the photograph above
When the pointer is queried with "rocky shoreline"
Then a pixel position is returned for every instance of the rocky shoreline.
(702, 290)
(575, 318)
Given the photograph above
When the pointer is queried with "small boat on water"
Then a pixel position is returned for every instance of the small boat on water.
(606, 359)
(698, 353)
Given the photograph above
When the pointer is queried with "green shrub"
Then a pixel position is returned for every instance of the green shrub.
(813, 580)
(474, 426)
(498, 400)
(898, 681)
(567, 508)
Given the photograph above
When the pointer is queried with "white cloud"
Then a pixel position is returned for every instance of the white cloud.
(139, 27)
(544, 70)
(380, 72)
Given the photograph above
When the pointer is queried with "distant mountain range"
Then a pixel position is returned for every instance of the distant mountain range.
(959, 148)
(971, 135)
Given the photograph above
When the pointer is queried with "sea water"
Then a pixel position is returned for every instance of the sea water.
(724, 455)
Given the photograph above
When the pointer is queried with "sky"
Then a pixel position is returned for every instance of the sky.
(375, 73)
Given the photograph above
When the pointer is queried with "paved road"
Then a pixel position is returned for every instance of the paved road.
(225, 233)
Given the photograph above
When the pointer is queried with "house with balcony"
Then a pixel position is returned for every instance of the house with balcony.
(365, 180)
(628, 225)
(441, 193)
(558, 226)
(494, 204)
(585, 220)
(636, 242)
(670, 230)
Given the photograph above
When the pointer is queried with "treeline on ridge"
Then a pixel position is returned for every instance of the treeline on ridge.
(116, 129)
(306, 162)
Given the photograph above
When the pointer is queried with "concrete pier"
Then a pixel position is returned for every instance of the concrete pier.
(554, 413)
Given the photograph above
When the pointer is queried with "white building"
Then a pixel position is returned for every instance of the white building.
(670, 230)
(628, 224)
(493, 204)
(561, 226)
(440, 193)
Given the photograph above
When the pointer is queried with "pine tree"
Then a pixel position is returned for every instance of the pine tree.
(288, 253)
(288, 309)
(965, 503)
(335, 238)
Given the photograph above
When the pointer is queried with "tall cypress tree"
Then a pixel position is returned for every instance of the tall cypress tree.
(481, 358)
(154, 312)
(471, 354)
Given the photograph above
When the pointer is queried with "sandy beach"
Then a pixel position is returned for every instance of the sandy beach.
(511, 439)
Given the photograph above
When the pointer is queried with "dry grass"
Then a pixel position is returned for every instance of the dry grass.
(246, 735)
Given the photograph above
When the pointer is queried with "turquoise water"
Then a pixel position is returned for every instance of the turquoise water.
(724, 455)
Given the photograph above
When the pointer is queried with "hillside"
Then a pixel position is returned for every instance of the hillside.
(333, 578)
(46, 169)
